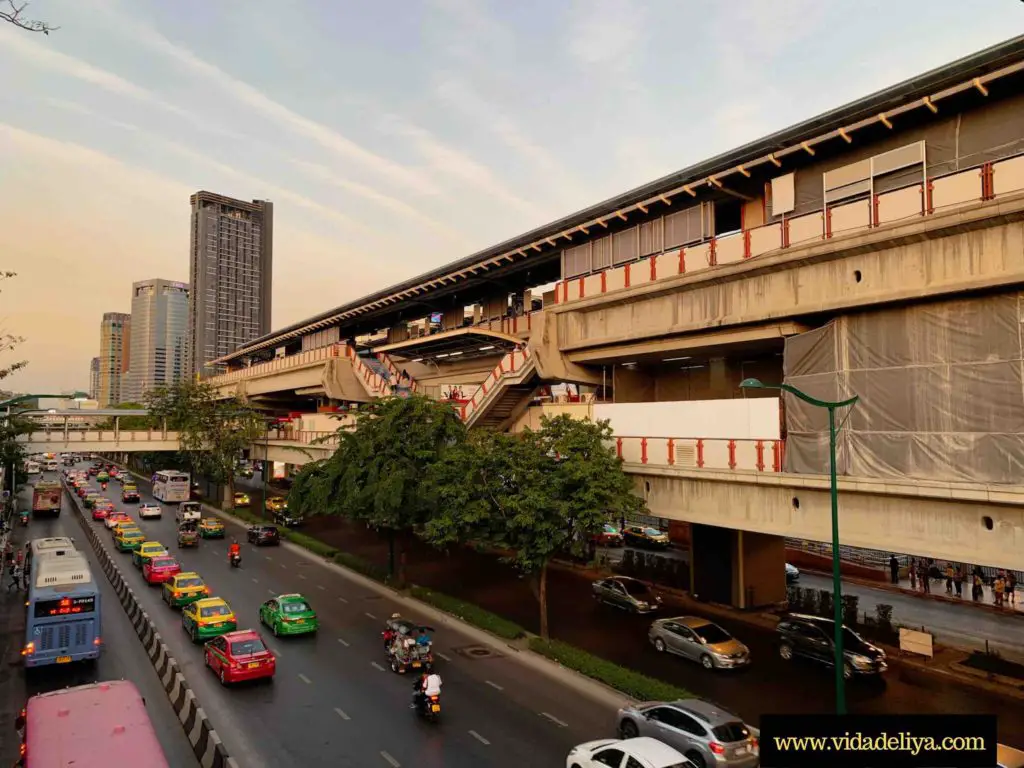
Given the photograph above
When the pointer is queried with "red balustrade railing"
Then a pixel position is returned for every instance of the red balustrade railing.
(702, 452)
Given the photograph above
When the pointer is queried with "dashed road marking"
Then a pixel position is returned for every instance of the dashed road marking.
(305, 679)
(479, 738)
(495, 686)
(321, 586)
(446, 658)
(302, 576)
(370, 615)
(282, 565)
(375, 665)
(266, 557)
(271, 591)
(343, 642)
(342, 599)
(341, 714)
(255, 581)
(554, 719)
(391, 761)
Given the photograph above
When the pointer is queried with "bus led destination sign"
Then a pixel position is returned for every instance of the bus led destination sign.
(64, 606)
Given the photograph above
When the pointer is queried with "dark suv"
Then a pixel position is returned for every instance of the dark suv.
(811, 637)
(263, 534)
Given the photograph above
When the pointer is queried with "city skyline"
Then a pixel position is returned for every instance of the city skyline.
(387, 161)
(159, 337)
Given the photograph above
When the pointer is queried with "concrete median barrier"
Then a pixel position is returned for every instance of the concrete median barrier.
(206, 744)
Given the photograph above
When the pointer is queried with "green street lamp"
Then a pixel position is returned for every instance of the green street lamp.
(837, 583)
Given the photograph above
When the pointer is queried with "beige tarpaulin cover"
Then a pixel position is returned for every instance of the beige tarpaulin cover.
(942, 394)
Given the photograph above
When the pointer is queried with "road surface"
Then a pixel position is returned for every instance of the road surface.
(123, 656)
(332, 701)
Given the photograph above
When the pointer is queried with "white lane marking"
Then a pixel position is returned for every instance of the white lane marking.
(343, 599)
(302, 576)
(370, 615)
(266, 557)
(341, 714)
(343, 642)
(480, 738)
(446, 658)
(554, 719)
(305, 679)
(255, 581)
(495, 686)
(391, 761)
(271, 591)
(282, 564)
(321, 586)
(375, 665)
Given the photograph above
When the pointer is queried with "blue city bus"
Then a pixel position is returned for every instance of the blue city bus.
(63, 618)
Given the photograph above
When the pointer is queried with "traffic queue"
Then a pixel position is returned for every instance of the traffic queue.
(232, 653)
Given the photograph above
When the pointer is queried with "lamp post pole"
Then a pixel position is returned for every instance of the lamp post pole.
(839, 659)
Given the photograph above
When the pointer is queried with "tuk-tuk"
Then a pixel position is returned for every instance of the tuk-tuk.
(410, 648)
(188, 534)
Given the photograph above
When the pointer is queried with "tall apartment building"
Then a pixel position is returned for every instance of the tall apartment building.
(230, 275)
(94, 378)
(115, 356)
(159, 338)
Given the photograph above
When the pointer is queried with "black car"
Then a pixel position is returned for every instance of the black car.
(263, 534)
(811, 637)
(288, 519)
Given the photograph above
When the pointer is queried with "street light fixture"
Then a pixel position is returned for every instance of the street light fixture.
(837, 583)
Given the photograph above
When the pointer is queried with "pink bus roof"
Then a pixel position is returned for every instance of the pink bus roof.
(91, 726)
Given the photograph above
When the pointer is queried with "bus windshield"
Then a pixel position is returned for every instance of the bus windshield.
(89, 726)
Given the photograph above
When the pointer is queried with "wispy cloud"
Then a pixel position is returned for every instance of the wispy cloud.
(260, 102)
(81, 109)
(604, 36)
(446, 161)
(541, 163)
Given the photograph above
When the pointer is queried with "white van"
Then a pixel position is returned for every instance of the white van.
(188, 511)
(52, 465)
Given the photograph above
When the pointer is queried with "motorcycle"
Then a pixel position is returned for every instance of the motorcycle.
(428, 707)
(235, 559)
(23, 517)
(103, 486)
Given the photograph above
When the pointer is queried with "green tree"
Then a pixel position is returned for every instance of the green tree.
(213, 431)
(377, 472)
(11, 12)
(538, 494)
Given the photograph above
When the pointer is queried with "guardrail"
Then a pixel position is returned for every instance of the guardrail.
(943, 193)
(58, 436)
(277, 365)
(510, 365)
(305, 437)
(376, 384)
(702, 452)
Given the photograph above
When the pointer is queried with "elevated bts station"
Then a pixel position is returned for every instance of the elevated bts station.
(876, 250)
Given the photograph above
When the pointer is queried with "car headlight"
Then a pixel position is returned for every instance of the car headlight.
(861, 662)
(642, 604)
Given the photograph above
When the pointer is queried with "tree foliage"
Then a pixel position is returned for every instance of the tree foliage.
(376, 475)
(8, 342)
(13, 13)
(212, 431)
(131, 422)
(536, 494)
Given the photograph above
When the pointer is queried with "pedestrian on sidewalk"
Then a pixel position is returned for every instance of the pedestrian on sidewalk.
(958, 581)
(15, 573)
(1011, 587)
(949, 578)
(976, 590)
(998, 585)
(925, 578)
(894, 569)
(913, 574)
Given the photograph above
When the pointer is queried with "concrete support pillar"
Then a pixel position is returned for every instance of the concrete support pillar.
(738, 568)
(718, 375)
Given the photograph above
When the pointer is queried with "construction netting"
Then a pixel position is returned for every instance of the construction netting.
(941, 392)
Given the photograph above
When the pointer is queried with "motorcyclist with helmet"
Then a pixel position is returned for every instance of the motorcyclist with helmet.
(234, 552)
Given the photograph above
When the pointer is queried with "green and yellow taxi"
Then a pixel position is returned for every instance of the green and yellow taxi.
(91, 498)
(241, 499)
(211, 528)
(146, 552)
(184, 589)
(123, 525)
(277, 504)
(129, 539)
(208, 617)
(289, 615)
(102, 477)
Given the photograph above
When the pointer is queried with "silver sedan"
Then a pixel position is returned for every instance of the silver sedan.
(699, 640)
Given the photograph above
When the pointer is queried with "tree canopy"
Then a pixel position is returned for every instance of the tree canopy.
(213, 431)
(131, 422)
(13, 13)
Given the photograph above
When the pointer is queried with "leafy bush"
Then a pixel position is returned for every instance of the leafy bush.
(851, 614)
(473, 614)
(631, 683)
(357, 564)
(809, 602)
(825, 607)
(313, 545)
(883, 615)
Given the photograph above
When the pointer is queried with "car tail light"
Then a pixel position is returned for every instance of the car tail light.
(29, 649)
(434, 698)
(754, 743)
(716, 748)
(98, 641)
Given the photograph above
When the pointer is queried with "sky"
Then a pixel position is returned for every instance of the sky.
(392, 137)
